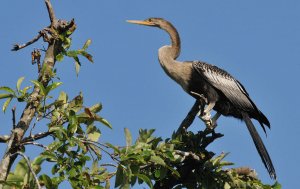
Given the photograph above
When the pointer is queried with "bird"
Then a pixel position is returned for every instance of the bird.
(220, 90)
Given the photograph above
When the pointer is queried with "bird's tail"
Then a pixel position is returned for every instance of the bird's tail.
(260, 146)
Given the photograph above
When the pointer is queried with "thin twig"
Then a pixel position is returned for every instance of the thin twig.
(36, 144)
(36, 136)
(94, 144)
(17, 47)
(29, 165)
(109, 164)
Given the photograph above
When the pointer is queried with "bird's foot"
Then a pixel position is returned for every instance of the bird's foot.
(206, 118)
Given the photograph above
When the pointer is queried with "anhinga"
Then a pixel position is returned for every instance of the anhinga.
(223, 93)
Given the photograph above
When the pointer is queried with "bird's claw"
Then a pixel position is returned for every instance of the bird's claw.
(206, 118)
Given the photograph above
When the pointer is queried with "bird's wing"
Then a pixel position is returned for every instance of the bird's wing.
(224, 82)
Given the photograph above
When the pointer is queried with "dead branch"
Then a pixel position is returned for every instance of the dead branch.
(17, 47)
(50, 12)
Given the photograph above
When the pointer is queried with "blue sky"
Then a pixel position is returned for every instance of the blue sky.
(258, 42)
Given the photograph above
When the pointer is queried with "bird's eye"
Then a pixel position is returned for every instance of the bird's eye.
(150, 20)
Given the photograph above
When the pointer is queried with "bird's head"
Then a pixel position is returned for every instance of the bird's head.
(156, 22)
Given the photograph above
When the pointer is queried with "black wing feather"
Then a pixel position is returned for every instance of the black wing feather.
(234, 91)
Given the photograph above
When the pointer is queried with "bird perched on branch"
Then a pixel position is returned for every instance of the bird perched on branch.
(221, 92)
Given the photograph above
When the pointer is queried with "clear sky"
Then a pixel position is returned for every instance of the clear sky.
(258, 42)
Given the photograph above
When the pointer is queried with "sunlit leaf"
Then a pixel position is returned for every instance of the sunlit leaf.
(5, 96)
(59, 57)
(6, 103)
(72, 53)
(128, 137)
(40, 86)
(87, 44)
(158, 160)
(52, 86)
(102, 120)
(7, 89)
(77, 65)
(19, 82)
(145, 179)
(94, 135)
(63, 97)
(116, 149)
(96, 108)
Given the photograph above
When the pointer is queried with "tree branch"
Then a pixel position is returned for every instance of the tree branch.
(4, 138)
(190, 117)
(36, 137)
(29, 165)
(54, 48)
(17, 47)
(50, 12)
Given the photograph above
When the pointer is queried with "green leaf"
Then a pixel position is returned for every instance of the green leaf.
(145, 179)
(276, 185)
(119, 176)
(63, 97)
(5, 96)
(52, 86)
(158, 160)
(104, 121)
(72, 53)
(46, 180)
(6, 103)
(21, 168)
(116, 149)
(96, 108)
(87, 56)
(7, 89)
(128, 137)
(77, 65)
(59, 57)
(73, 124)
(40, 86)
(87, 44)
(19, 82)
(94, 136)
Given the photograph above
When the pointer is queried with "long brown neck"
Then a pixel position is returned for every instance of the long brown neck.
(174, 39)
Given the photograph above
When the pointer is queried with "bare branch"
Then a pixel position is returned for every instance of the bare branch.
(188, 120)
(36, 137)
(50, 12)
(36, 144)
(17, 47)
(29, 165)
(109, 164)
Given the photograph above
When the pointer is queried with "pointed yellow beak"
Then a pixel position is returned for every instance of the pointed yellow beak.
(141, 22)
